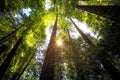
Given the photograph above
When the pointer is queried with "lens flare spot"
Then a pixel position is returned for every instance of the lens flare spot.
(59, 42)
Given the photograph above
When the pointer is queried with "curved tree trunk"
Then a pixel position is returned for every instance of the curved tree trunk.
(110, 12)
(47, 72)
(109, 67)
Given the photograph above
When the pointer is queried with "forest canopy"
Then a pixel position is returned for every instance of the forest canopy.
(59, 40)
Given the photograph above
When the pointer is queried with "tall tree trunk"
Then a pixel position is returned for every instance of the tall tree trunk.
(2, 6)
(109, 67)
(7, 61)
(47, 72)
(3, 49)
(82, 34)
(110, 12)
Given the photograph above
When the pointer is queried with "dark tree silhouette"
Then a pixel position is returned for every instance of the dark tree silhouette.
(110, 12)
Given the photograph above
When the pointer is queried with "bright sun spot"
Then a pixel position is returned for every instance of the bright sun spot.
(59, 42)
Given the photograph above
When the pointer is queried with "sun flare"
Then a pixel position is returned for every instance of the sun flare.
(59, 42)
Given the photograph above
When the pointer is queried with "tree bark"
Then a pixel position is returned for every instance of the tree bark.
(82, 34)
(47, 72)
(7, 61)
(109, 67)
(110, 12)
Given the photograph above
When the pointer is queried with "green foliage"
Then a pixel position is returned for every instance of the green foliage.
(76, 56)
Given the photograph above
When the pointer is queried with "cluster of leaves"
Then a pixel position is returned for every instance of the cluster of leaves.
(75, 60)
(18, 24)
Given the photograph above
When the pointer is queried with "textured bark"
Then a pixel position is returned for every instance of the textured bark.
(47, 72)
(7, 61)
(110, 12)
(109, 67)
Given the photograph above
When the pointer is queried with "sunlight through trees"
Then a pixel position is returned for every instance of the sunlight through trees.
(59, 40)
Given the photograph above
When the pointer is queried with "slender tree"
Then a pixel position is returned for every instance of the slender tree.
(110, 12)
(110, 68)
(7, 61)
(82, 34)
(3, 48)
(48, 65)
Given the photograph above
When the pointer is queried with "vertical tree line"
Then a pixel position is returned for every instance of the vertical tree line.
(48, 65)
(16, 43)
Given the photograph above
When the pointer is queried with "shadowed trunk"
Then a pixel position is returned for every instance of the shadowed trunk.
(109, 67)
(2, 5)
(7, 61)
(110, 12)
(47, 72)
(3, 49)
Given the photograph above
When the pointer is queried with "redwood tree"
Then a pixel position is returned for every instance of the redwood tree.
(47, 72)
(110, 12)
